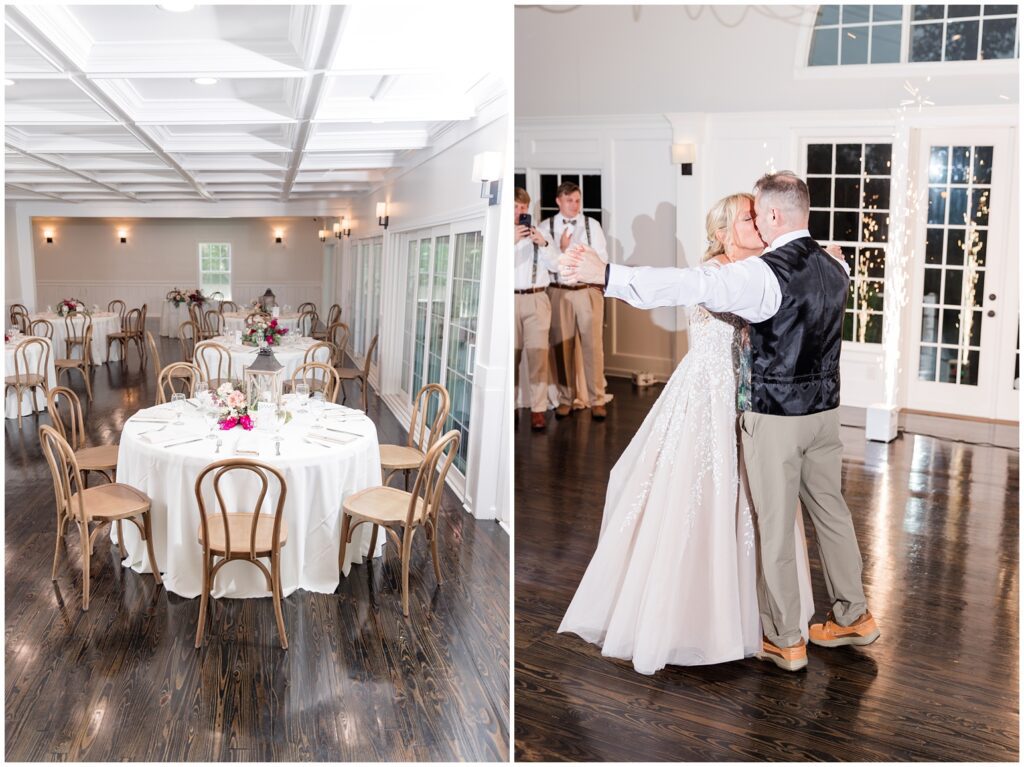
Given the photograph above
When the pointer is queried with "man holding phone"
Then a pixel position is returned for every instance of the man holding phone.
(535, 257)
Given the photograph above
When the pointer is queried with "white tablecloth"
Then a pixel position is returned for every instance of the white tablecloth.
(236, 321)
(103, 324)
(290, 355)
(318, 478)
(34, 400)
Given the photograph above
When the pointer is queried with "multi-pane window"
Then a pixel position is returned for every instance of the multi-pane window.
(366, 318)
(520, 180)
(462, 324)
(959, 190)
(215, 268)
(874, 34)
(590, 193)
(963, 32)
(849, 187)
(856, 34)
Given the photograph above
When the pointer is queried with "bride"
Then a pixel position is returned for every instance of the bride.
(674, 577)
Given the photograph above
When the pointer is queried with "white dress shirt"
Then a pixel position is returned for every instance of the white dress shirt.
(747, 288)
(579, 236)
(547, 261)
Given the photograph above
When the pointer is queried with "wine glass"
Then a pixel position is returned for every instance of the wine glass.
(202, 393)
(302, 392)
(178, 401)
(318, 403)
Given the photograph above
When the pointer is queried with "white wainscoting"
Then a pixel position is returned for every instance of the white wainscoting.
(134, 294)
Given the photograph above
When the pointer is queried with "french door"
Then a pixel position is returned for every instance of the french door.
(366, 316)
(964, 321)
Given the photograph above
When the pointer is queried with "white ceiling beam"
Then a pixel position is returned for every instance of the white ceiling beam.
(21, 188)
(72, 171)
(330, 40)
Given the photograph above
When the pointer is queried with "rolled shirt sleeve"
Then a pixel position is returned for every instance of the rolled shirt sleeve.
(748, 289)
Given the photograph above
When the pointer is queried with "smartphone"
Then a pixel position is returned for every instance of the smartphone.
(525, 220)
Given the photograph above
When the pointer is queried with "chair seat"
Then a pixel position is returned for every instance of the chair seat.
(400, 457)
(25, 379)
(69, 363)
(240, 527)
(119, 334)
(114, 501)
(102, 457)
(75, 340)
(383, 505)
(349, 373)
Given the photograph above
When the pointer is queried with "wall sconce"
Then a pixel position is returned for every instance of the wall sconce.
(684, 155)
(342, 228)
(382, 214)
(48, 234)
(323, 235)
(122, 235)
(487, 169)
(278, 236)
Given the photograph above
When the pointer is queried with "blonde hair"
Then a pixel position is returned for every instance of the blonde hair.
(723, 216)
(522, 197)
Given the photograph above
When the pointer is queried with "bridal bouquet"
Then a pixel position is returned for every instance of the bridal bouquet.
(177, 297)
(233, 406)
(68, 305)
(259, 331)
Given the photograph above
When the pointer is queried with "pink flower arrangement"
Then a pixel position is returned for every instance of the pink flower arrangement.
(260, 330)
(68, 305)
(196, 297)
(234, 408)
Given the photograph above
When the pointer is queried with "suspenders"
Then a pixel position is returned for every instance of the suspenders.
(551, 228)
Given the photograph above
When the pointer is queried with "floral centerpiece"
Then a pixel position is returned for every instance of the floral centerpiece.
(177, 297)
(260, 330)
(233, 406)
(68, 305)
(196, 297)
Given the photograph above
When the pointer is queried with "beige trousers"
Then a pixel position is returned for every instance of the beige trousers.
(533, 326)
(572, 312)
(789, 457)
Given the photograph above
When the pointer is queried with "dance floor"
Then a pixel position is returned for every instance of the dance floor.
(123, 682)
(937, 522)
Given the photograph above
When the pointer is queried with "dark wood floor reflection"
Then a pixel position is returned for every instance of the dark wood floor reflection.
(938, 527)
(358, 682)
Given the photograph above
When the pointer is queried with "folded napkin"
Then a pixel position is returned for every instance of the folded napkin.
(158, 414)
(171, 437)
(248, 444)
(329, 440)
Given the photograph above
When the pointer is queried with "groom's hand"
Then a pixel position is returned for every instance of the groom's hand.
(582, 264)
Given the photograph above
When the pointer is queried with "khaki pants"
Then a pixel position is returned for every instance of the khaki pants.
(789, 457)
(572, 312)
(533, 326)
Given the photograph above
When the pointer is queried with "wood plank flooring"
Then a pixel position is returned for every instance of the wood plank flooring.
(938, 527)
(123, 681)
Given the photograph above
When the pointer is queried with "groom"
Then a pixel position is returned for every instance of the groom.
(794, 296)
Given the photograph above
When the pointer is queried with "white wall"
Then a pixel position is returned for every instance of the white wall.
(12, 287)
(604, 60)
(87, 260)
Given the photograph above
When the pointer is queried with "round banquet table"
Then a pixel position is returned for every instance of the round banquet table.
(172, 316)
(33, 400)
(236, 321)
(319, 476)
(290, 355)
(103, 324)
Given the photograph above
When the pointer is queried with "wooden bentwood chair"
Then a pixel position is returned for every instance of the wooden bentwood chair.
(185, 374)
(63, 366)
(362, 375)
(241, 535)
(392, 508)
(29, 375)
(422, 436)
(83, 505)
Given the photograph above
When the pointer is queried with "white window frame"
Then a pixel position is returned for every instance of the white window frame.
(905, 68)
(199, 264)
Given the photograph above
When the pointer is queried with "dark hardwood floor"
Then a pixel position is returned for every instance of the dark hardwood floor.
(123, 681)
(938, 526)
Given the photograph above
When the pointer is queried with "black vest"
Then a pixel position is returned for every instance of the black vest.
(795, 354)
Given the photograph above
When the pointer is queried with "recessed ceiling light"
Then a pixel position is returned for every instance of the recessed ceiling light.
(205, 81)
(8, 82)
(176, 7)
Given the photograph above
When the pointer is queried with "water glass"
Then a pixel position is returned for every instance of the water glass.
(203, 393)
(178, 401)
(302, 392)
(318, 403)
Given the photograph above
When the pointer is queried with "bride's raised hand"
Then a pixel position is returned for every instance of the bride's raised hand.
(582, 264)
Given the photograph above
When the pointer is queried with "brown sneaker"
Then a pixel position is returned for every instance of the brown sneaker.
(538, 421)
(562, 411)
(792, 658)
(862, 631)
(598, 412)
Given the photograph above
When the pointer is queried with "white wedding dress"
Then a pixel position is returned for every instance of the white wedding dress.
(673, 580)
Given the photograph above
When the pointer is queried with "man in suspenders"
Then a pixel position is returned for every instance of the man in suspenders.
(576, 308)
(535, 258)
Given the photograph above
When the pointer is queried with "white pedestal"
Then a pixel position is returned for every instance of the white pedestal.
(881, 423)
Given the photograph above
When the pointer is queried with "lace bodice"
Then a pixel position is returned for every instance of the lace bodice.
(721, 343)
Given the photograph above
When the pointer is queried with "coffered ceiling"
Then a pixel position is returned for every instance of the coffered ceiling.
(309, 102)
